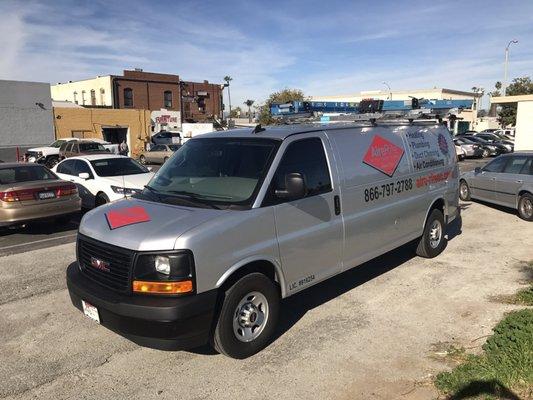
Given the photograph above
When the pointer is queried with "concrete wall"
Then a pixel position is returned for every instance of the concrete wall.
(25, 117)
(524, 126)
(88, 123)
(101, 86)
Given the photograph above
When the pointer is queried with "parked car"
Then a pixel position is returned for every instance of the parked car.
(471, 149)
(237, 220)
(460, 152)
(507, 180)
(75, 148)
(47, 155)
(102, 178)
(159, 153)
(492, 148)
(30, 192)
(166, 137)
(492, 138)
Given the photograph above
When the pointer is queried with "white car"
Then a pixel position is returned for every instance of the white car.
(461, 153)
(102, 178)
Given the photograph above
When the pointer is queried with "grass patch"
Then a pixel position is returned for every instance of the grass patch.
(524, 296)
(506, 364)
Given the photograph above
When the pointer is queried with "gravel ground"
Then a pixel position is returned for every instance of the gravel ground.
(374, 332)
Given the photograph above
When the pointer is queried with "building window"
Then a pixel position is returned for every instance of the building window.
(102, 94)
(93, 97)
(128, 97)
(83, 97)
(167, 98)
(75, 97)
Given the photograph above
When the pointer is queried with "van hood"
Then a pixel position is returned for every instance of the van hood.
(165, 225)
(135, 181)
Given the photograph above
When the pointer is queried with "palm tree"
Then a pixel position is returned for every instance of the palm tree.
(228, 79)
(249, 103)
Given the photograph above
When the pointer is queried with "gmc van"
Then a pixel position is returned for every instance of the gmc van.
(235, 221)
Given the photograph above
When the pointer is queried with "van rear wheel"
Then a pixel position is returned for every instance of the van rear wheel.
(433, 240)
(248, 316)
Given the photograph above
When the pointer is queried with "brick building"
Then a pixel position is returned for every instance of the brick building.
(136, 89)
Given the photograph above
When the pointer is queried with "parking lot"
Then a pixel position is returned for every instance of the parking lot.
(376, 331)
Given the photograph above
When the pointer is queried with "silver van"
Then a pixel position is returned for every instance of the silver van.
(237, 220)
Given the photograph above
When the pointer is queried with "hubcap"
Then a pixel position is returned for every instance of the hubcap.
(251, 316)
(527, 208)
(464, 190)
(435, 234)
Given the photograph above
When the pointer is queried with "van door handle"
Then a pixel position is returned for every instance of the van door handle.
(520, 181)
(337, 203)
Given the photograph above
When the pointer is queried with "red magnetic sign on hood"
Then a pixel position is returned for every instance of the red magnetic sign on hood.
(383, 155)
(126, 216)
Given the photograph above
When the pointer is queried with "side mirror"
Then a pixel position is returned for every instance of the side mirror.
(84, 175)
(477, 170)
(294, 187)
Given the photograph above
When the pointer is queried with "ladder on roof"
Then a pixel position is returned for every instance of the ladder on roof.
(371, 109)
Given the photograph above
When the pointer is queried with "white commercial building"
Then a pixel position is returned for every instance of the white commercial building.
(524, 119)
(26, 118)
(89, 92)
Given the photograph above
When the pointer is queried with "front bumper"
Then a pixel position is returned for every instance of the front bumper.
(165, 323)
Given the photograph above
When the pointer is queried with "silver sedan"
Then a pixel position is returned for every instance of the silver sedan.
(507, 180)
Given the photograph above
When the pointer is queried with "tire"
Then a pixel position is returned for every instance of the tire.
(525, 207)
(252, 298)
(52, 162)
(429, 246)
(485, 154)
(101, 199)
(464, 191)
(142, 160)
(165, 160)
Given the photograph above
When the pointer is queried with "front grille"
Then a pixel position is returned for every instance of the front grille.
(118, 263)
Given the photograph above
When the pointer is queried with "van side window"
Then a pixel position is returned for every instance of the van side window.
(308, 158)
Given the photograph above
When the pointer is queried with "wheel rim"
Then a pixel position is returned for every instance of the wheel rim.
(250, 317)
(526, 208)
(464, 191)
(485, 153)
(435, 234)
(143, 160)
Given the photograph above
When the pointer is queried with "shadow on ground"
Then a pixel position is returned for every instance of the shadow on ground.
(478, 388)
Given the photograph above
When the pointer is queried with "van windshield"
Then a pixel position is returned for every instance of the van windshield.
(222, 170)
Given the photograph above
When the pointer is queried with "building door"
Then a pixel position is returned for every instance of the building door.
(115, 135)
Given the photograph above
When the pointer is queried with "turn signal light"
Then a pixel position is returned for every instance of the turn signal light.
(162, 287)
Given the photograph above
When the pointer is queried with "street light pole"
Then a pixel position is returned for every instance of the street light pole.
(506, 67)
(390, 91)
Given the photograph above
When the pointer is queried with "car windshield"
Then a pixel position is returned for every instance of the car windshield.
(218, 169)
(57, 144)
(91, 147)
(117, 167)
(25, 174)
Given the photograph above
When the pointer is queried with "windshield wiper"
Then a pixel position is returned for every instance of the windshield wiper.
(153, 191)
(198, 198)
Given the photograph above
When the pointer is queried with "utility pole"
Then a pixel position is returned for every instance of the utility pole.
(506, 66)
(228, 79)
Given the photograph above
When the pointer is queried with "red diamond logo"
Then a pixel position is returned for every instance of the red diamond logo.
(383, 155)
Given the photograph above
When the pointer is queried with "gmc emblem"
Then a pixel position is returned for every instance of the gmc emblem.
(99, 264)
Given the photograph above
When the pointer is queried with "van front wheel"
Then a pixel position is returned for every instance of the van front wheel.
(248, 316)
(433, 240)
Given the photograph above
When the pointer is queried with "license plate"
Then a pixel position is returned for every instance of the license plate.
(46, 195)
(90, 311)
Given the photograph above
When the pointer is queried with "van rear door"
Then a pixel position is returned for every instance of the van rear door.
(310, 229)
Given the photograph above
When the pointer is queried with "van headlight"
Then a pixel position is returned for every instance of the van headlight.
(164, 273)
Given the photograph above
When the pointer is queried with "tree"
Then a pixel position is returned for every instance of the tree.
(249, 103)
(228, 79)
(519, 86)
(283, 96)
(235, 112)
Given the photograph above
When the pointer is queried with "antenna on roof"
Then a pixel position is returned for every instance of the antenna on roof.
(258, 128)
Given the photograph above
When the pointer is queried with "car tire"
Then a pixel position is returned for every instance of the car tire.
(485, 153)
(253, 298)
(52, 162)
(142, 160)
(525, 207)
(464, 191)
(165, 160)
(433, 240)
(101, 199)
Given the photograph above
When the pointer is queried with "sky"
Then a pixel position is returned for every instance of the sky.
(321, 47)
